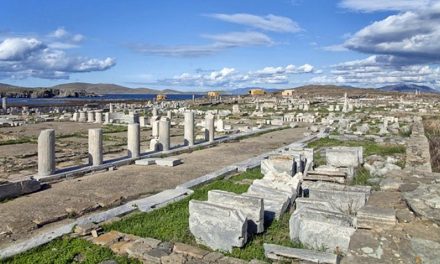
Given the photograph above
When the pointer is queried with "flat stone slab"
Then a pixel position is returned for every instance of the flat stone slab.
(168, 162)
(218, 227)
(314, 204)
(278, 164)
(161, 199)
(18, 188)
(276, 252)
(372, 216)
(145, 162)
(251, 207)
(345, 201)
(425, 201)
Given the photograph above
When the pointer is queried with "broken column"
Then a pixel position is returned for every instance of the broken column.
(4, 103)
(133, 140)
(164, 134)
(209, 128)
(106, 118)
(95, 146)
(46, 152)
(111, 108)
(82, 116)
(188, 136)
(98, 117)
(90, 117)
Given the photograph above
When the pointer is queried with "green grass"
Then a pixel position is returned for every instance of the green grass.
(171, 222)
(370, 147)
(68, 250)
(113, 129)
(18, 141)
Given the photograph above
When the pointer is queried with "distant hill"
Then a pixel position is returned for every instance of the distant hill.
(75, 90)
(243, 91)
(408, 88)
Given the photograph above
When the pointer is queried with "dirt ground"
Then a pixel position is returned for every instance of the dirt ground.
(17, 160)
(20, 217)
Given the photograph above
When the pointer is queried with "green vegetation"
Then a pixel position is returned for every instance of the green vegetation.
(68, 250)
(171, 222)
(21, 140)
(370, 147)
(113, 129)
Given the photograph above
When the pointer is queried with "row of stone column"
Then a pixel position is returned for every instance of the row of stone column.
(91, 117)
(161, 128)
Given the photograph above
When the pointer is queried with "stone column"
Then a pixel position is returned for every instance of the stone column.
(4, 103)
(95, 146)
(82, 116)
(133, 140)
(188, 137)
(90, 117)
(111, 108)
(106, 118)
(154, 111)
(169, 115)
(46, 152)
(98, 117)
(154, 122)
(164, 133)
(209, 128)
(75, 117)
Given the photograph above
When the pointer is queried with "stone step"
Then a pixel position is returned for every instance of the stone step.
(371, 216)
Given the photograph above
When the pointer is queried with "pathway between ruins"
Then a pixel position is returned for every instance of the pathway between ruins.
(19, 218)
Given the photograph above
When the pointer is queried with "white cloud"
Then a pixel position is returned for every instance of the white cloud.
(411, 37)
(384, 5)
(230, 77)
(220, 42)
(268, 23)
(377, 71)
(22, 57)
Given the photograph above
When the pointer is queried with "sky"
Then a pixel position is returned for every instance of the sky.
(199, 45)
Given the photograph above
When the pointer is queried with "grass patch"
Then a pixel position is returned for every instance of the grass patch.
(113, 129)
(18, 141)
(170, 223)
(370, 147)
(68, 250)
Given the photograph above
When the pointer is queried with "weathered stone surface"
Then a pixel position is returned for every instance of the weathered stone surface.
(345, 201)
(108, 238)
(276, 252)
(173, 259)
(278, 164)
(212, 257)
(275, 202)
(18, 188)
(390, 184)
(372, 216)
(323, 236)
(315, 204)
(306, 213)
(160, 199)
(231, 260)
(168, 162)
(218, 227)
(290, 189)
(251, 207)
(189, 250)
(145, 162)
(425, 201)
(427, 250)
(338, 187)
(344, 156)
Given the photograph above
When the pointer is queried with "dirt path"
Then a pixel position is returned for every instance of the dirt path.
(19, 217)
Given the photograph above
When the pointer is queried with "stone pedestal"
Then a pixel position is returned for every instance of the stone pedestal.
(164, 134)
(90, 117)
(209, 128)
(46, 152)
(82, 116)
(98, 117)
(95, 146)
(188, 136)
(133, 140)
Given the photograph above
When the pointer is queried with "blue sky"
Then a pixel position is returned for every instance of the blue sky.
(205, 45)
